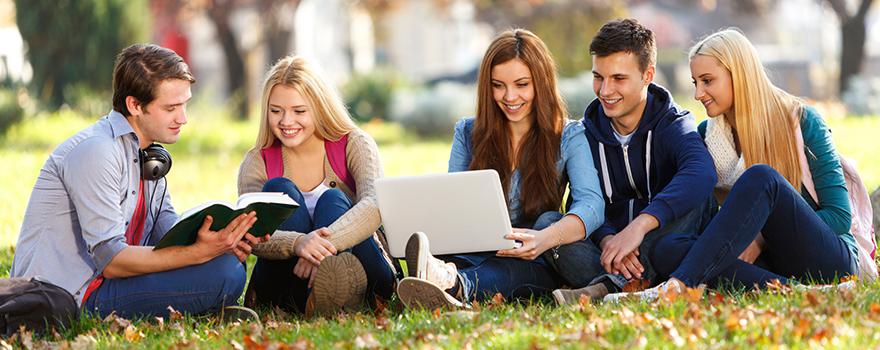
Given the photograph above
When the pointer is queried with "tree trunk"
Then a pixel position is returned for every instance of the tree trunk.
(852, 41)
(235, 71)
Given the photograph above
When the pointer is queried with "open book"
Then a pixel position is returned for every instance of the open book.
(272, 209)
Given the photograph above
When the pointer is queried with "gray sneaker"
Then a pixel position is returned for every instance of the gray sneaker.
(573, 296)
(340, 284)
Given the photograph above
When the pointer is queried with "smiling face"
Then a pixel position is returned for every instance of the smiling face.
(621, 86)
(513, 90)
(161, 120)
(713, 85)
(290, 116)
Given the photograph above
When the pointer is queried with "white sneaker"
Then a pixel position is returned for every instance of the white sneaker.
(848, 285)
(649, 294)
(421, 264)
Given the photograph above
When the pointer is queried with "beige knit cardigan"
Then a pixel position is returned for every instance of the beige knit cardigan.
(356, 225)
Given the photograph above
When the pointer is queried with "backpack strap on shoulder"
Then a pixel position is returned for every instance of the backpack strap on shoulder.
(336, 156)
(272, 158)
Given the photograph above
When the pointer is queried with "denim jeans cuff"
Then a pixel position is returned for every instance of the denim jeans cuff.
(617, 280)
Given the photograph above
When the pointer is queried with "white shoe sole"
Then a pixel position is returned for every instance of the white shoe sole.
(416, 255)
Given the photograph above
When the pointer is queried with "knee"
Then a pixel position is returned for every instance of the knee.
(229, 275)
(284, 185)
(669, 251)
(760, 174)
(577, 263)
(333, 198)
(546, 219)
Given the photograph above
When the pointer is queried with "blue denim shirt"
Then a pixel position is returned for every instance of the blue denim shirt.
(575, 164)
(81, 205)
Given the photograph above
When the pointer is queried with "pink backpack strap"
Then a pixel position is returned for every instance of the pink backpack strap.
(336, 156)
(272, 158)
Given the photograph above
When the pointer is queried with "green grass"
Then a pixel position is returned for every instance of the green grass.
(206, 165)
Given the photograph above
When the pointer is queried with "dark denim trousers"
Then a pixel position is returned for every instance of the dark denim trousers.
(194, 290)
(579, 265)
(798, 243)
(482, 275)
(273, 281)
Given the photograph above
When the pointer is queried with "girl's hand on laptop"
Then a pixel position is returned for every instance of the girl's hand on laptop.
(531, 248)
(314, 246)
(305, 270)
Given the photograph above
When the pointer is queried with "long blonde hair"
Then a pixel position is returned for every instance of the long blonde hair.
(332, 120)
(766, 116)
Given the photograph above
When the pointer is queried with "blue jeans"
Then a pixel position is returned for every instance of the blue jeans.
(798, 243)
(196, 289)
(482, 275)
(579, 265)
(273, 281)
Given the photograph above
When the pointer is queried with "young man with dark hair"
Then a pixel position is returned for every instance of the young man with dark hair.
(93, 213)
(656, 174)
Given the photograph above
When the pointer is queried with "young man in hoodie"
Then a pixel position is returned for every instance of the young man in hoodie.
(656, 174)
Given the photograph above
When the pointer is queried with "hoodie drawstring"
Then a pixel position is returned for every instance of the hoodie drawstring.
(648, 164)
(606, 179)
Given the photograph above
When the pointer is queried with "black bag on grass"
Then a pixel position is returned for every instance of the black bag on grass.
(34, 304)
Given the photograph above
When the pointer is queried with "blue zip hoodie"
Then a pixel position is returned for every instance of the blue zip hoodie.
(665, 145)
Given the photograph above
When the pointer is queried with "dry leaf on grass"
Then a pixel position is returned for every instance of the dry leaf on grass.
(132, 334)
(497, 300)
(174, 315)
(636, 285)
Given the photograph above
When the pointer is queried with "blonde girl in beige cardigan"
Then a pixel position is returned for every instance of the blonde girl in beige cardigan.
(324, 258)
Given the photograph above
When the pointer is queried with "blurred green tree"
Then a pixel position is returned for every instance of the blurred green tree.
(72, 44)
(369, 95)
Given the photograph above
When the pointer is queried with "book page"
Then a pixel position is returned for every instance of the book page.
(200, 207)
(264, 197)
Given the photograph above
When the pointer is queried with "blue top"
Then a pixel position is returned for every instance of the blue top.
(824, 162)
(574, 165)
(81, 204)
(665, 170)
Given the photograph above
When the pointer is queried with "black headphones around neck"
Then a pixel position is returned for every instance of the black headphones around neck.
(155, 162)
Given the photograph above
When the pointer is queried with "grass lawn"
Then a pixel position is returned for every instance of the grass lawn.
(206, 165)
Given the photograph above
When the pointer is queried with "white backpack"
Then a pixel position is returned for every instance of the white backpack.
(859, 202)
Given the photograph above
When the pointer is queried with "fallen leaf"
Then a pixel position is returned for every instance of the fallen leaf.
(584, 300)
(251, 344)
(802, 327)
(497, 299)
(174, 315)
(381, 306)
(811, 298)
(382, 321)
(636, 285)
(212, 333)
(116, 324)
(132, 334)
(820, 334)
(694, 295)
(875, 308)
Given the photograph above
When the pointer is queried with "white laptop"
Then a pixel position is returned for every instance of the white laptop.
(461, 212)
